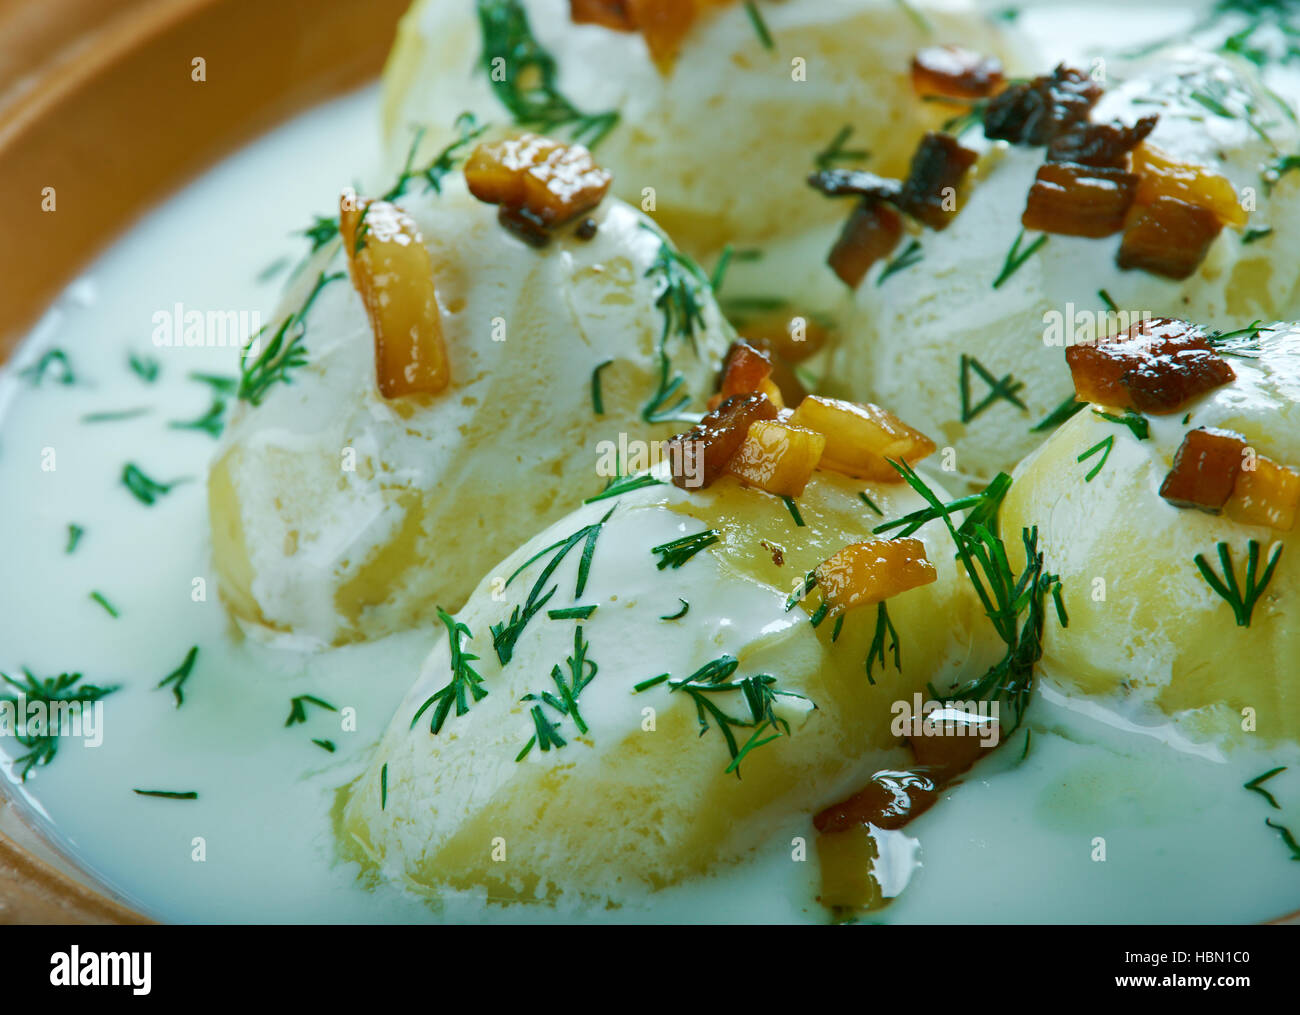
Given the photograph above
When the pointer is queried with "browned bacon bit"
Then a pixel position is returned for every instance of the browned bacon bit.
(1036, 112)
(1168, 237)
(854, 183)
(1104, 145)
(1075, 200)
(746, 370)
(952, 72)
(606, 13)
(700, 455)
(1156, 367)
(929, 193)
(872, 232)
(790, 335)
(948, 752)
(522, 223)
(890, 800)
(1205, 470)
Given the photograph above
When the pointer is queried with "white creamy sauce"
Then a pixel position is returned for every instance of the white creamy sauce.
(1016, 840)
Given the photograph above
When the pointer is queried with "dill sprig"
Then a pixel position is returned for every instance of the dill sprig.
(523, 76)
(1287, 836)
(1243, 342)
(65, 689)
(793, 508)
(1104, 446)
(298, 707)
(55, 359)
(465, 682)
(1014, 604)
(75, 532)
(1016, 257)
(624, 484)
(760, 26)
(597, 399)
(283, 353)
(572, 613)
(109, 608)
(168, 794)
(876, 654)
(678, 551)
(565, 699)
(835, 153)
(759, 694)
(144, 367)
(912, 254)
(145, 490)
(1135, 421)
(178, 676)
(680, 613)
(1062, 414)
(1242, 602)
(115, 417)
(506, 633)
(1005, 389)
(982, 509)
(1256, 786)
(681, 287)
(870, 503)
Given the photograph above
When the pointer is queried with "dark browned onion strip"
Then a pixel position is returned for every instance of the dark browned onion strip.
(704, 450)
(938, 168)
(1038, 111)
(954, 72)
(872, 232)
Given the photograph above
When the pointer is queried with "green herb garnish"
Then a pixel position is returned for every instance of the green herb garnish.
(680, 613)
(298, 707)
(1256, 786)
(793, 508)
(465, 682)
(760, 27)
(876, 654)
(835, 153)
(678, 551)
(144, 367)
(912, 254)
(1064, 412)
(624, 484)
(523, 76)
(1243, 604)
(565, 699)
(284, 353)
(1015, 257)
(168, 794)
(145, 490)
(681, 288)
(109, 608)
(178, 676)
(1006, 389)
(572, 613)
(1104, 447)
(75, 532)
(598, 402)
(55, 359)
(58, 695)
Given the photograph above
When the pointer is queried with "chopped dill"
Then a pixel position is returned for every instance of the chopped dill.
(1064, 412)
(1006, 389)
(1256, 786)
(624, 484)
(597, 401)
(1104, 446)
(912, 254)
(572, 613)
(115, 417)
(870, 503)
(168, 794)
(465, 682)
(835, 153)
(565, 699)
(145, 490)
(507, 632)
(680, 613)
(1109, 303)
(793, 508)
(1015, 257)
(760, 26)
(1242, 602)
(55, 359)
(383, 786)
(327, 745)
(681, 287)
(109, 608)
(523, 76)
(1135, 421)
(75, 532)
(298, 707)
(42, 742)
(177, 677)
(876, 654)
(678, 551)
(283, 353)
(144, 367)
(1287, 837)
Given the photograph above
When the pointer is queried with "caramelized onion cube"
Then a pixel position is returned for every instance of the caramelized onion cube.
(1169, 238)
(1037, 111)
(929, 193)
(847, 861)
(872, 232)
(1100, 144)
(393, 273)
(953, 72)
(746, 370)
(700, 455)
(1268, 494)
(777, 457)
(790, 337)
(615, 14)
(552, 182)
(890, 800)
(664, 24)
(1205, 470)
(863, 574)
(860, 438)
(1156, 367)
(1164, 176)
(1075, 200)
